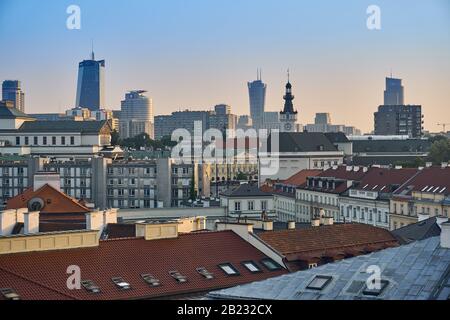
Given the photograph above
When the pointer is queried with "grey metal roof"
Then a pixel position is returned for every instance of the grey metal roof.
(246, 190)
(337, 137)
(12, 113)
(417, 271)
(63, 126)
(418, 231)
(302, 142)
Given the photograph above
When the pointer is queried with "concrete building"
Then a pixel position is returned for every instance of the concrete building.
(165, 125)
(322, 123)
(222, 118)
(399, 120)
(12, 91)
(136, 115)
(91, 84)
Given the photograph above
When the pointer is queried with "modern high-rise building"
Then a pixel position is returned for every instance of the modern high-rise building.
(394, 93)
(12, 91)
(405, 120)
(257, 95)
(136, 115)
(91, 84)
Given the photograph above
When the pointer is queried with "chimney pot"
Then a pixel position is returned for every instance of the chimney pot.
(291, 225)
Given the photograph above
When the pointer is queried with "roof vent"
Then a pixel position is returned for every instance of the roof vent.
(36, 204)
(90, 286)
(9, 294)
(205, 273)
(120, 283)
(178, 276)
(151, 280)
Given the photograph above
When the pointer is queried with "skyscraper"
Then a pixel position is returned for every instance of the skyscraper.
(12, 91)
(91, 84)
(394, 93)
(257, 95)
(136, 115)
(399, 120)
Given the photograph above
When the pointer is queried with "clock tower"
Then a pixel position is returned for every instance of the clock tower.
(288, 117)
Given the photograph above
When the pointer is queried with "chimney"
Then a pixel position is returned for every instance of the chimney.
(42, 178)
(94, 220)
(440, 220)
(327, 221)
(155, 231)
(291, 225)
(444, 165)
(109, 216)
(315, 222)
(445, 235)
(429, 164)
(7, 222)
(422, 217)
(365, 169)
(31, 222)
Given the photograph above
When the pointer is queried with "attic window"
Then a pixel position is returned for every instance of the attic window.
(9, 294)
(251, 266)
(270, 264)
(151, 280)
(90, 286)
(205, 273)
(319, 282)
(376, 292)
(120, 283)
(229, 269)
(178, 276)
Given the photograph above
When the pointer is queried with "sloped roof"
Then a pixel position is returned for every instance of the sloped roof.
(246, 190)
(12, 113)
(418, 231)
(302, 142)
(428, 180)
(384, 180)
(55, 202)
(337, 137)
(129, 258)
(300, 177)
(415, 272)
(63, 126)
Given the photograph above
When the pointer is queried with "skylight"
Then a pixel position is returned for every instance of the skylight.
(365, 186)
(375, 187)
(430, 188)
(90, 286)
(205, 273)
(9, 294)
(443, 190)
(423, 190)
(319, 282)
(376, 292)
(437, 188)
(151, 280)
(120, 283)
(384, 187)
(229, 269)
(251, 266)
(270, 264)
(178, 276)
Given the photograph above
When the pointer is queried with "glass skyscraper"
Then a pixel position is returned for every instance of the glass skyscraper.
(12, 91)
(394, 93)
(257, 95)
(91, 84)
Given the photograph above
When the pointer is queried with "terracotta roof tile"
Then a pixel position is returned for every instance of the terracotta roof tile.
(129, 258)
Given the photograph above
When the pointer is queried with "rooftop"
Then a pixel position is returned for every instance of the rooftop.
(418, 271)
(64, 126)
(42, 275)
(303, 142)
(246, 190)
(429, 180)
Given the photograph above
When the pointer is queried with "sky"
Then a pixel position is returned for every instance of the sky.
(199, 53)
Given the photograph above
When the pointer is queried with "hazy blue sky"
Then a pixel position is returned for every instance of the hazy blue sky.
(198, 53)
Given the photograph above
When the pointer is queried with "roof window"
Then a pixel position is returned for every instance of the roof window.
(90, 286)
(319, 283)
(229, 269)
(151, 280)
(178, 276)
(120, 283)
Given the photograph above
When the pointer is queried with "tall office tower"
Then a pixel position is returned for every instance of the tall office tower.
(399, 120)
(91, 84)
(288, 117)
(136, 115)
(257, 95)
(322, 118)
(12, 91)
(394, 93)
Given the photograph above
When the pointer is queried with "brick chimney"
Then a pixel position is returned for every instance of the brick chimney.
(31, 222)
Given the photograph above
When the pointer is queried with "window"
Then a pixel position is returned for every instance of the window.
(319, 282)
(251, 266)
(205, 273)
(27, 141)
(178, 276)
(63, 140)
(151, 280)
(120, 283)
(35, 141)
(9, 294)
(132, 192)
(251, 205)
(377, 291)
(237, 206)
(264, 205)
(17, 141)
(44, 141)
(270, 264)
(229, 269)
(312, 265)
(90, 286)
(72, 140)
(53, 140)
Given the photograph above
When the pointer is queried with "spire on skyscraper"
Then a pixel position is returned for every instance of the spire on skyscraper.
(92, 51)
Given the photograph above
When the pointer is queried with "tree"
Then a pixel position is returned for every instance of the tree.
(241, 176)
(440, 151)
(193, 192)
(115, 138)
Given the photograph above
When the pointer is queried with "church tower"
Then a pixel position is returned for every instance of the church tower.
(288, 117)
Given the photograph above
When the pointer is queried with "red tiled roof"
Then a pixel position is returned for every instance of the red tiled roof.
(383, 180)
(434, 179)
(54, 201)
(316, 241)
(300, 177)
(129, 258)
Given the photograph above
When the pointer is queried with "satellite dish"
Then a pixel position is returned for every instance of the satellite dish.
(36, 204)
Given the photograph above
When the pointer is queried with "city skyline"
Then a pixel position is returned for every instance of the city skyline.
(209, 62)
